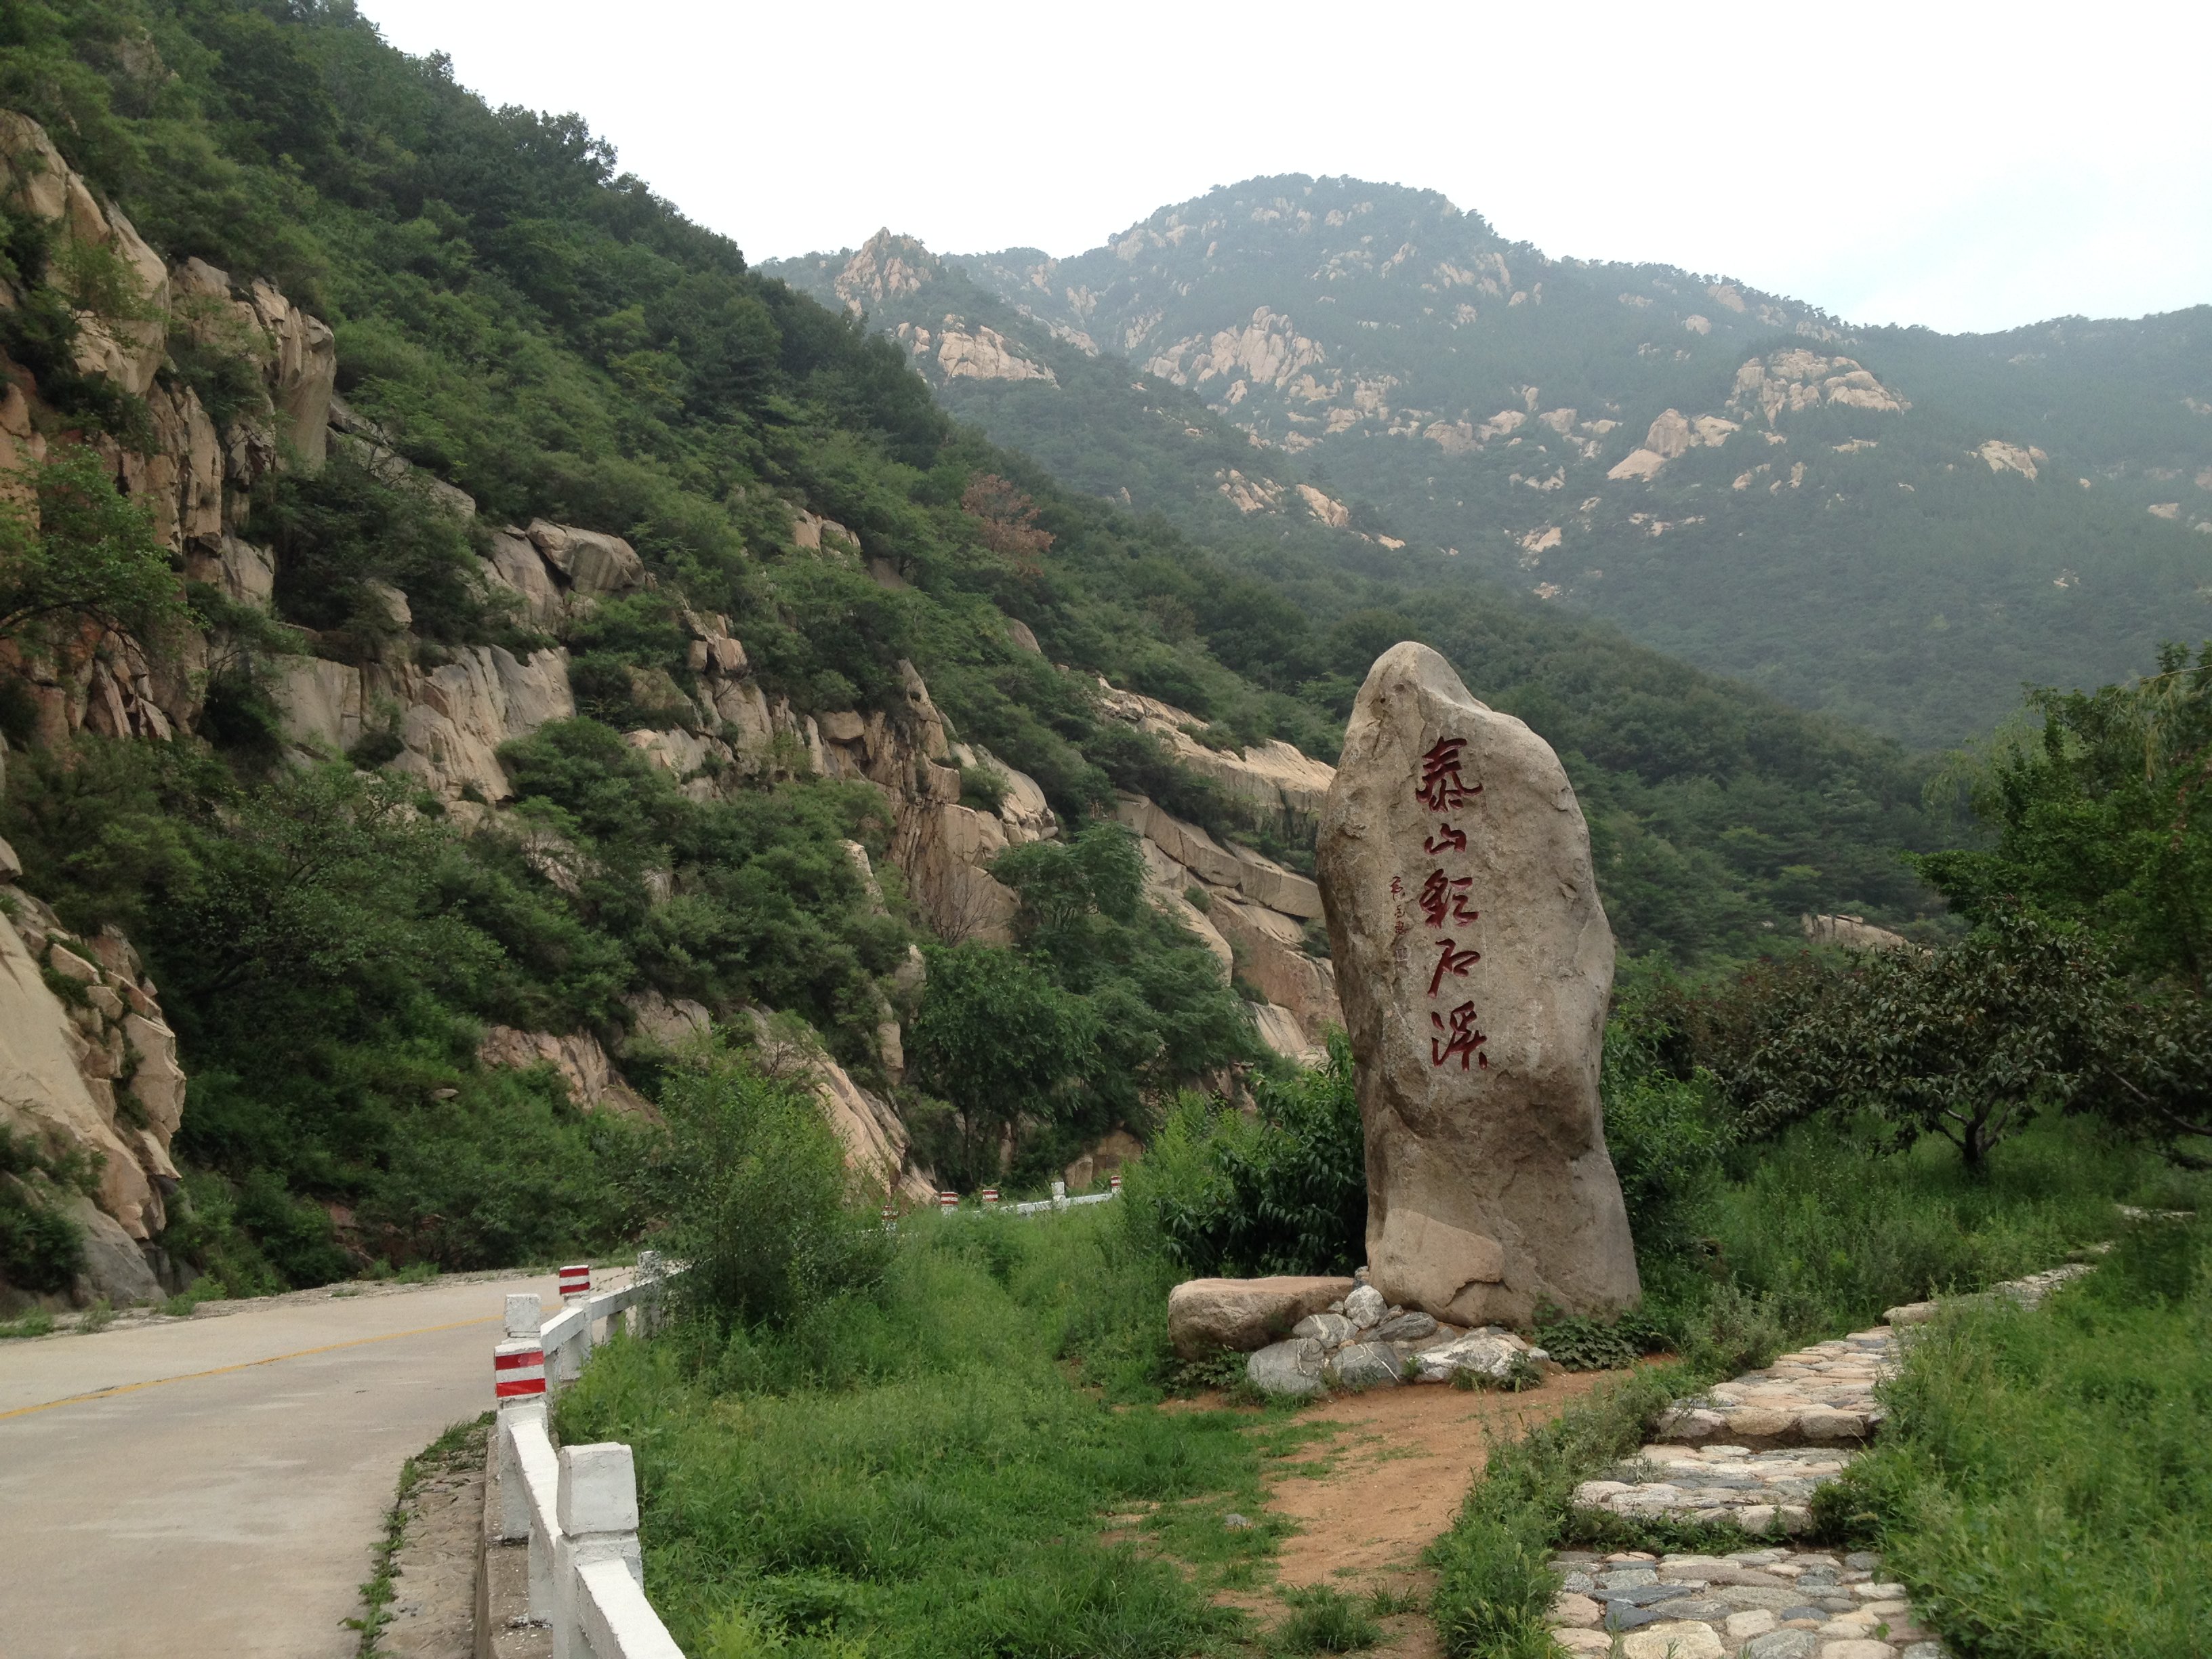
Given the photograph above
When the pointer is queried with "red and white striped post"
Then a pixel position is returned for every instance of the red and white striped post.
(1113, 1184)
(575, 1281)
(518, 1386)
(518, 1370)
(990, 1198)
(948, 1202)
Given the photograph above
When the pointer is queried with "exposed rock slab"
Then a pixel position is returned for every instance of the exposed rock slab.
(1475, 963)
(593, 1084)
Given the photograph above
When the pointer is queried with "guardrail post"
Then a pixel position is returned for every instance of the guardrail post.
(650, 1272)
(575, 1281)
(1059, 1194)
(518, 1386)
(597, 1510)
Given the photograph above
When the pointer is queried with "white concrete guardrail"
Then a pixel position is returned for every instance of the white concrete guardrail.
(949, 1203)
(575, 1505)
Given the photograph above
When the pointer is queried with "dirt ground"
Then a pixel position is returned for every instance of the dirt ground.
(1392, 1477)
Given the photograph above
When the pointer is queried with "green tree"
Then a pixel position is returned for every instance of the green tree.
(1966, 1042)
(73, 551)
(1000, 1043)
(2100, 819)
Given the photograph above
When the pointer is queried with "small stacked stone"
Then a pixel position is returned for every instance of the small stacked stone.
(1822, 1395)
(1753, 1604)
(1758, 1490)
(1363, 1342)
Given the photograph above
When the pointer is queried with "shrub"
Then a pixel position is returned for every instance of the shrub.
(751, 1189)
(1285, 1193)
(92, 556)
(41, 1248)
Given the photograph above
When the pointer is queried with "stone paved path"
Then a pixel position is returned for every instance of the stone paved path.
(1752, 1451)
(1754, 1604)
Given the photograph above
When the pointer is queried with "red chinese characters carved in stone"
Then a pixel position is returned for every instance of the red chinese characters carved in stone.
(1445, 897)
(1452, 960)
(1442, 788)
(1460, 1037)
(1446, 839)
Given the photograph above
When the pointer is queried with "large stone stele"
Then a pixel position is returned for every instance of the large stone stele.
(1475, 980)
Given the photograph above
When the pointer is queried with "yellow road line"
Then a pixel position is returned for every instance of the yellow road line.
(243, 1365)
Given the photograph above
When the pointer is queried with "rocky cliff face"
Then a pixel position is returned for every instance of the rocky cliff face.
(103, 1082)
(192, 478)
(88, 1072)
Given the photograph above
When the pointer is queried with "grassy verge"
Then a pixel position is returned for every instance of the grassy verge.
(460, 1446)
(941, 1466)
(36, 1321)
(1494, 1578)
(2045, 1486)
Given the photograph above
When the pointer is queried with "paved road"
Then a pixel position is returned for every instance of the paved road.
(221, 1498)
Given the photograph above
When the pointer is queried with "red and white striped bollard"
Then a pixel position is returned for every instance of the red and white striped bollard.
(518, 1370)
(575, 1281)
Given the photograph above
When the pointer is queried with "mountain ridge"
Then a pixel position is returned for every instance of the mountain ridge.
(1867, 520)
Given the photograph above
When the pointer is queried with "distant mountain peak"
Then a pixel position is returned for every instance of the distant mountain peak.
(885, 267)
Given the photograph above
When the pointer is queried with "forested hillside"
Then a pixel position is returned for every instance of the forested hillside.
(1891, 525)
(584, 640)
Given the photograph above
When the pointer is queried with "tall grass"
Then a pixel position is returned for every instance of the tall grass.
(2045, 1486)
(917, 1470)
(1821, 1231)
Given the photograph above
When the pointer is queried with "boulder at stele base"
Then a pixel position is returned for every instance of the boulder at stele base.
(1205, 1315)
(1475, 963)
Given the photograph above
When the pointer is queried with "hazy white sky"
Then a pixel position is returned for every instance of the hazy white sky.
(1963, 165)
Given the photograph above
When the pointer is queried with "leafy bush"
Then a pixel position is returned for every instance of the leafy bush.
(1581, 1343)
(1283, 1192)
(339, 529)
(753, 1191)
(1104, 1004)
(41, 1249)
